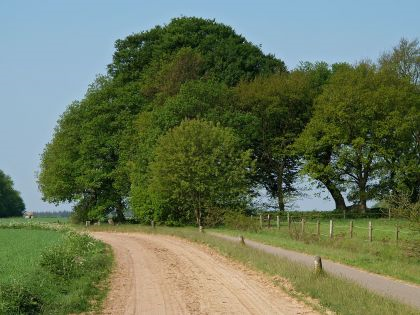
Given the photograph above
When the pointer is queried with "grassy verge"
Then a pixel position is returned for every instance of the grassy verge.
(336, 294)
(383, 255)
(51, 271)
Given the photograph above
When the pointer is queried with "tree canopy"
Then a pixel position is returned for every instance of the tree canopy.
(195, 83)
(11, 203)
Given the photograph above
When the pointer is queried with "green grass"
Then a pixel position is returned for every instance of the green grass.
(383, 255)
(20, 251)
(51, 272)
(333, 293)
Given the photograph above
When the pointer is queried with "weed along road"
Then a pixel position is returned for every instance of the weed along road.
(157, 274)
(399, 290)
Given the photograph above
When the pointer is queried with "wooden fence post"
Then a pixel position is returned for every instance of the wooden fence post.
(261, 223)
(317, 264)
(351, 228)
(344, 213)
(370, 231)
(303, 226)
(269, 220)
(331, 229)
(397, 234)
(278, 222)
(288, 220)
(318, 230)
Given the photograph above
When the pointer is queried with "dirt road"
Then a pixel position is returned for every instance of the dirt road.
(158, 274)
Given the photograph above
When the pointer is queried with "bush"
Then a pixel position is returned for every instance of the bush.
(16, 298)
(70, 258)
(239, 221)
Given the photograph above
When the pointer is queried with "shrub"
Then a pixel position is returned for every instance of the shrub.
(70, 258)
(16, 298)
(239, 221)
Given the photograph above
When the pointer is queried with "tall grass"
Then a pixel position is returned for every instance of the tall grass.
(51, 272)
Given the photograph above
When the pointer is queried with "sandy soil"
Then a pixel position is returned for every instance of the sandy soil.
(158, 274)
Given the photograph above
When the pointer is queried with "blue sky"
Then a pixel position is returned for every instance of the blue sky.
(51, 50)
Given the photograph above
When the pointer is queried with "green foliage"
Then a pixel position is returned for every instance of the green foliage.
(48, 271)
(358, 121)
(279, 106)
(226, 56)
(239, 221)
(198, 168)
(11, 204)
(103, 144)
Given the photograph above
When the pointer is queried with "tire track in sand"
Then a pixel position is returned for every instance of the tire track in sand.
(157, 274)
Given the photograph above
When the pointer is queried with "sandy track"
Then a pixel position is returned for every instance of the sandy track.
(158, 274)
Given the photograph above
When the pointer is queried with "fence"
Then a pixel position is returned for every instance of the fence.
(332, 228)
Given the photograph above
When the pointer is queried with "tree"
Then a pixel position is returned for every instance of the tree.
(199, 167)
(357, 120)
(81, 163)
(280, 107)
(11, 203)
(404, 60)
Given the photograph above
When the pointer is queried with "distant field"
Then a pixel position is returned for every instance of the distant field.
(35, 219)
(383, 255)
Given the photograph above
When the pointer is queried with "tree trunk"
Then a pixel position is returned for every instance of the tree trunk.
(120, 212)
(340, 203)
(363, 197)
(280, 193)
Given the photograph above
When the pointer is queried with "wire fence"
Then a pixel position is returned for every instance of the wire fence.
(362, 228)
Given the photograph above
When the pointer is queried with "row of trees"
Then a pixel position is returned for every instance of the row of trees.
(192, 121)
(11, 204)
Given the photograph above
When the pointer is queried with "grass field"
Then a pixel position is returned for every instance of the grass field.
(45, 271)
(383, 255)
(20, 251)
(325, 291)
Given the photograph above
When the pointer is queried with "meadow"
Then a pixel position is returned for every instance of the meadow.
(49, 269)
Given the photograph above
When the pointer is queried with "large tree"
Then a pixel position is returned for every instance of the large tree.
(280, 106)
(81, 163)
(198, 168)
(360, 116)
(90, 158)
(11, 203)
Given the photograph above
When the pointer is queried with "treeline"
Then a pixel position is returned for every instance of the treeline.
(192, 120)
(11, 203)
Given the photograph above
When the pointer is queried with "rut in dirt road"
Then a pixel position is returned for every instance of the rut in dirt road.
(158, 274)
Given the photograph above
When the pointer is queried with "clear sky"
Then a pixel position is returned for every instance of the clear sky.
(52, 49)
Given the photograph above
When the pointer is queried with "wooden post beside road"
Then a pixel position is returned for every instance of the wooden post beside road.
(303, 225)
(317, 264)
(397, 233)
(351, 228)
(288, 220)
(370, 231)
(269, 220)
(278, 222)
(261, 223)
